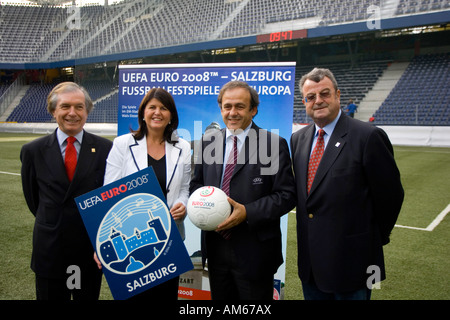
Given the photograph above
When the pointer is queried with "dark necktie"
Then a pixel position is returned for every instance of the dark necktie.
(315, 158)
(70, 160)
(229, 168)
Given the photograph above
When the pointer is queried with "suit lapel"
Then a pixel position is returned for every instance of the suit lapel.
(304, 144)
(217, 165)
(53, 158)
(213, 153)
(332, 151)
(250, 149)
(139, 154)
(138, 151)
(173, 154)
(85, 160)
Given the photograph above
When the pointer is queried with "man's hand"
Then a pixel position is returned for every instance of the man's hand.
(237, 216)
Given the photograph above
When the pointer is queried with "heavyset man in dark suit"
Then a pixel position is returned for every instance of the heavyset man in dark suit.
(244, 252)
(60, 239)
(354, 201)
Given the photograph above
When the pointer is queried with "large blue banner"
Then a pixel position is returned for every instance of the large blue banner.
(195, 88)
(133, 234)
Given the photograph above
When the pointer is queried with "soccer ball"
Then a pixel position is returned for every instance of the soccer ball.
(208, 207)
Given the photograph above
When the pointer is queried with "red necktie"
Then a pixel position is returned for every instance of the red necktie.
(229, 168)
(70, 160)
(315, 158)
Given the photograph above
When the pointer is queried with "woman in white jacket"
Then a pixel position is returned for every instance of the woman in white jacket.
(156, 144)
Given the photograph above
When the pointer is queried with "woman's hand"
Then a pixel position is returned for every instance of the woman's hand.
(99, 264)
(178, 211)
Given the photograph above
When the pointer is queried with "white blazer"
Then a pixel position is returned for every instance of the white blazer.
(129, 155)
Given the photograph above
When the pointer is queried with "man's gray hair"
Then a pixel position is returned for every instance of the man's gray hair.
(316, 75)
(65, 87)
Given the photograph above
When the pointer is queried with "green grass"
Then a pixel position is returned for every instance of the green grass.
(417, 261)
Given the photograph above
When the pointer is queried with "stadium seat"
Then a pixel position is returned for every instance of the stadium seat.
(426, 73)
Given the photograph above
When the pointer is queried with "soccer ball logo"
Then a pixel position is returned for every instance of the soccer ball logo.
(208, 207)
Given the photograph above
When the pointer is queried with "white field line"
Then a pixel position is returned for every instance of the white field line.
(10, 173)
(433, 223)
(430, 227)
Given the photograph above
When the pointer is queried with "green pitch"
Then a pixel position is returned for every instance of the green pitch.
(417, 259)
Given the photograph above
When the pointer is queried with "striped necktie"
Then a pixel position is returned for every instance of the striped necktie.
(229, 168)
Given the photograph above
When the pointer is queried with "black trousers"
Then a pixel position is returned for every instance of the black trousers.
(227, 281)
(166, 291)
(57, 289)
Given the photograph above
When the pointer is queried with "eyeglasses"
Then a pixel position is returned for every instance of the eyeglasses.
(312, 96)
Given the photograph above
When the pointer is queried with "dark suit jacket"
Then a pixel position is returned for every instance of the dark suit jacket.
(352, 207)
(59, 237)
(267, 197)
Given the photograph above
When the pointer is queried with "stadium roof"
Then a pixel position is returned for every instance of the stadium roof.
(54, 2)
(126, 35)
(79, 3)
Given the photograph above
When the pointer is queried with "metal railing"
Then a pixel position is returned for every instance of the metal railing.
(10, 93)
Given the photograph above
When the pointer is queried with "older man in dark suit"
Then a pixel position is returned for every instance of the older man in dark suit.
(244, 252)
(56, 169)
(349, 195)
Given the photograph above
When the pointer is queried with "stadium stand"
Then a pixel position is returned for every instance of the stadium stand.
(105, 110)
(354, 83)
(403, 106)
(33, 106)
(32, 33)
(43, 33)
(3, 88)
(421, 97)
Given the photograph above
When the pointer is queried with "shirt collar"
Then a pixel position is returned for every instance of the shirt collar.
(62, 136)
(241, 134)
(329, 128)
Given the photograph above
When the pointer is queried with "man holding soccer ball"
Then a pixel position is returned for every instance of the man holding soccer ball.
(244, 252)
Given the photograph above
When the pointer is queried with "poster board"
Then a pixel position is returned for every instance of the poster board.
(195, 88)
(133, 234)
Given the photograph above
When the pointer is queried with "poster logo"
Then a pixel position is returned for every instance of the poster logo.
(133, 233)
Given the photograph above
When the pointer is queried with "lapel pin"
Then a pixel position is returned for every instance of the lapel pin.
(337, 144)
(92, 150)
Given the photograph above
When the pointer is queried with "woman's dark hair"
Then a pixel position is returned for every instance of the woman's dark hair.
(167, 100)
